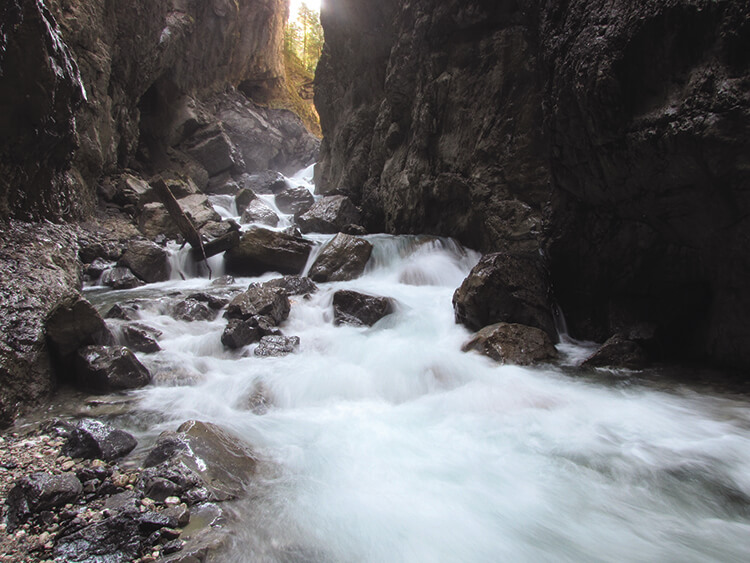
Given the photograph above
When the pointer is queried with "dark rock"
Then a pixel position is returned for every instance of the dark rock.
(116, 539)
(180, 514)
(223, 184)
(354, 230)
(154, 220)
(512, 344)
(172, 547)
(148, 261)
(266, 325)
(104, 369)
(168, 479)
(350, 307)
(96, 268)
(618, 351)
(191, 310)
(243, 199)
(343, 258)
(293, 285)
(220, 461)
(507, 288)
(124, 311)
(271, 346)
(329, 215)
(260, 300)
(199, 209)
(134, 191)
(149, 521)
(258, 212)
(218, 245)
(268, 182)
(141, 338)
(239, 333)
(120, 278)
(180, 187)
(217, 229)
(71, 326)
(261, 250)
(294, 200)
(216, 152)
(40, 491)
(93, 439)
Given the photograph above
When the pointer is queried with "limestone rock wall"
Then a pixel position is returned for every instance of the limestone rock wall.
(611, 135)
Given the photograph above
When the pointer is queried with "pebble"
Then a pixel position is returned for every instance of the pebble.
(172, 501)
(68, 465)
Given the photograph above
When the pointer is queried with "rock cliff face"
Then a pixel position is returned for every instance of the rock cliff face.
(611, 135)
(85, 84)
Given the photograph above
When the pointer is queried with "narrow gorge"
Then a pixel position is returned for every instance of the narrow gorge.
(499, 311)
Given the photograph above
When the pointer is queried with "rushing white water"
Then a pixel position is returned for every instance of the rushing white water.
(388, 444)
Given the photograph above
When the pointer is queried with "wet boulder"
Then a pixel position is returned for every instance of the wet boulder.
(120, 278)
(294, 200)
(141, 338)
(148, 261)
(214, 301)
(505, 288)
(239, 333)
(330, 214)
(272, 346)
(618, 351)
(94, 439)
(201, 454)
(72, 325)
(293, 285)
(223, 184)
(262, 250)
(268, 182)
(218, 229)
(508, 343)
(343, 258)
(95, 270)
(124, 311)
(260, 300)
(104, 369)
(213, 149)
(258, 212)
(38, 492)
(243, 198)
(191, 310)
(359, 309)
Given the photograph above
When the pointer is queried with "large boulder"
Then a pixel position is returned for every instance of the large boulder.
(258, 212)
(343, 258)
(294, 200)
(243, 198)
(508, 288)
(71, 326)
(199, 209)
(190, 310)
(508, 343)
(359, 309)
(141, 338)
(148, 261)
(618, 351)
(268, 182)
(154, 220)
(260, 300)
(215, 151)
(262, 250)
(293, 285)
(104, 369)
(330, 214)
(239, 333)
(219, 461)
(38, 492)
(94, 439)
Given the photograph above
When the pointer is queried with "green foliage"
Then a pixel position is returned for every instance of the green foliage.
(303, 37)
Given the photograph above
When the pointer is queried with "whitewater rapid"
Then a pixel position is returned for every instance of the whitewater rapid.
(389, 444)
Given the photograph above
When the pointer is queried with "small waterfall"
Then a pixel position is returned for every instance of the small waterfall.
(185, 266)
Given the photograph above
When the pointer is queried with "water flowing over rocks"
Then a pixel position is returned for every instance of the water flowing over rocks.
(278, 345)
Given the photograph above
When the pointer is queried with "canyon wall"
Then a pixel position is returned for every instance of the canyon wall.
(612, 136)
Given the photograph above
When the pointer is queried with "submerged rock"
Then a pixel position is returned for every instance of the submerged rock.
(618, 351)
(509, 343)
(94, 439)
(507, 288)
(104, 369)
(330, 214)
(271, 346)
(343, 258)
(262, 250)
(38, 492)
(148, 261)
(359, 309)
